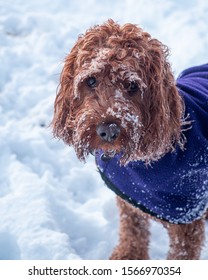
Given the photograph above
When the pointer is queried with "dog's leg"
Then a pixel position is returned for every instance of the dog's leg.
(134, 234)
(186, 240)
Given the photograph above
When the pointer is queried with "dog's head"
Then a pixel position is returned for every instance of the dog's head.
(117, 93)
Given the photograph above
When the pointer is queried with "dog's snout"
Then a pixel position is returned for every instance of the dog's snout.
(108, 132)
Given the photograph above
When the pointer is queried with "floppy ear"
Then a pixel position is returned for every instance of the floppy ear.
(168, 103)
(62, 119)
(163, 107)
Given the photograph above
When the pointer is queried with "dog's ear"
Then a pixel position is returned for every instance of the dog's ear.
(62, 122)
(164, 85)
(164, 105)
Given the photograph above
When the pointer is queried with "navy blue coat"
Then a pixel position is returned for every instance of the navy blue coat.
(174, 188)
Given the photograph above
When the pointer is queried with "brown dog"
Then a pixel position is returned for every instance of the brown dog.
(119, 101)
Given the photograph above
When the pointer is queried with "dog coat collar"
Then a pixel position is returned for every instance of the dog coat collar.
(174, 188)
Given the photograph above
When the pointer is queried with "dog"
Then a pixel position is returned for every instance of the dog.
(118, 100)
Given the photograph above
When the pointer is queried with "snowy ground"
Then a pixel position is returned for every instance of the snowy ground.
(51, 205)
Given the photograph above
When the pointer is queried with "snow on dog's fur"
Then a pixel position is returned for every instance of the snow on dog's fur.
(117, 94)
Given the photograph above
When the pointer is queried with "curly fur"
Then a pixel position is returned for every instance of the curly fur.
(116, 55)
(151, 120)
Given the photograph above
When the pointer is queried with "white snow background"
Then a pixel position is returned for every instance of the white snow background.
(51, 205)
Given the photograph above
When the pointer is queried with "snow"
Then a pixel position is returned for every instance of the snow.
(51, 205)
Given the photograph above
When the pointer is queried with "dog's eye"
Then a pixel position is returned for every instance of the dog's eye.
(132, 87)
(91, 82)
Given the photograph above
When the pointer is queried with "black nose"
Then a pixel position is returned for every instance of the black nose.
(108, 131)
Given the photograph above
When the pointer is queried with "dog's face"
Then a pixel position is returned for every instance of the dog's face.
(117, 93)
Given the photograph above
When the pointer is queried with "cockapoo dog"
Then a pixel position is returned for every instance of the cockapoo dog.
(118, 100)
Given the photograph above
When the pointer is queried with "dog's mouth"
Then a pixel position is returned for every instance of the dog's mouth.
(106, 154)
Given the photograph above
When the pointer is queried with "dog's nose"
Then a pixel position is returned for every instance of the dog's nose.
(108, 132)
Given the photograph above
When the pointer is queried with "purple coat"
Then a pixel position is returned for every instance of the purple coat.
(174, 188)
